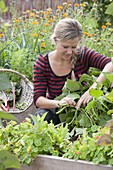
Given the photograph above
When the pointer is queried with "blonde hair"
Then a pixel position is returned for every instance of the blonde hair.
(67, 29)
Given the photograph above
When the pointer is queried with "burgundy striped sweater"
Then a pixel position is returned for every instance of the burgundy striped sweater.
(47, 83)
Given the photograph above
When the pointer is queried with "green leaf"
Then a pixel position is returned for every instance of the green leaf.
(80, 131)
(111, 161)
(110, 112)
(4, 82)
(85, 78)
(61, 96)
(72, 85)
(110, 96)
(109, 76)
(84, 121)
(96, 93)
(73, 96)
(109, 10)
(5, 115)
(90, 105)
(68, 119)
(62, 117)
(9, 160)
(3, 8)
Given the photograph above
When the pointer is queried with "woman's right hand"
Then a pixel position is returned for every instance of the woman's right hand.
(67, 101)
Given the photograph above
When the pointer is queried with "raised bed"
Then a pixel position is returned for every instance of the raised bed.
(45, 162)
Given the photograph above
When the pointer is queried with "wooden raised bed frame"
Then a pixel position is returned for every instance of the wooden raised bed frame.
(46, 162)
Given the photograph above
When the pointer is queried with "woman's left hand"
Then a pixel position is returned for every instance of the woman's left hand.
(84, 100)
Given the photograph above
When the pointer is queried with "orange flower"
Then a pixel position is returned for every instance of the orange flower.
(103, 26)
(47, 12)
(59, 7)
(42, 45)
(89, 35)
(94, 0)
(54, 17)
(50, 20)
(35, 35)
(70, 2)
(47, 25)
(76, 5)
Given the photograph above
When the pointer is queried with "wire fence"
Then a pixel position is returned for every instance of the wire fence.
(22, 5)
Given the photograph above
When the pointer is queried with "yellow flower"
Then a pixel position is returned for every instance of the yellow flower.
(47, 12)
(34, 22)
(28, 11)
(108, 24)
(64, 15)
(59, 7)
(50, 20)
(76, 5)
(89, 35)
(83, 5)
(103, 26)
(47, 25)
(86, 33)
(31, 14)
(42, 45)
(35, 35)
(1, 35)
(17, 20)
(44, 31)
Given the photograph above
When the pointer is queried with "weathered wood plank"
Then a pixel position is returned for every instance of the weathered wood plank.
(45, 162)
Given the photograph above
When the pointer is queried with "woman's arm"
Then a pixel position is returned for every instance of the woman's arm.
(85, 98)
(43, 102)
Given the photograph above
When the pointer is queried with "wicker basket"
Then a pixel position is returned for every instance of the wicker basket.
(26, 96)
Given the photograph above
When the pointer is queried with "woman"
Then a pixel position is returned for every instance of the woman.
(68, 60)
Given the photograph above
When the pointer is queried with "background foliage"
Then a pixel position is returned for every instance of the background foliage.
(27, 35)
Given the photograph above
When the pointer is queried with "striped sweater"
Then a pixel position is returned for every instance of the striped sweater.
(49, 85)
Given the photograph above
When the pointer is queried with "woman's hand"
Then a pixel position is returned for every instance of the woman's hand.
(84, 100)
(67, 101)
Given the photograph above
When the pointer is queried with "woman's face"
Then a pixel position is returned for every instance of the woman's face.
(66, 49)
